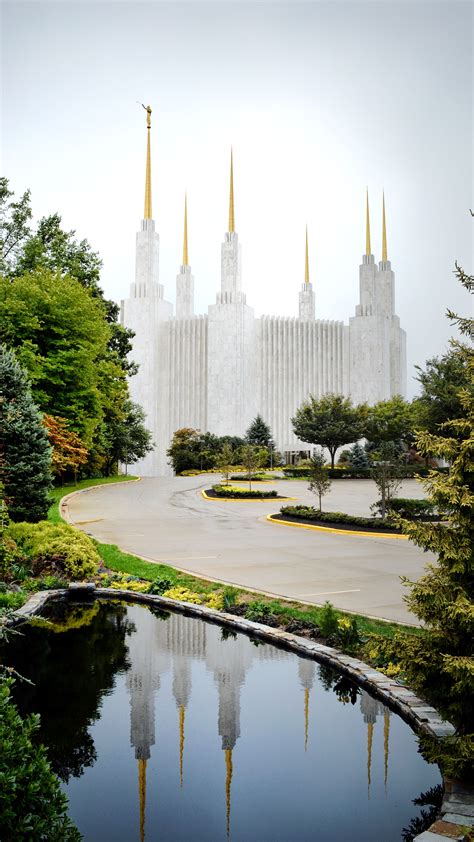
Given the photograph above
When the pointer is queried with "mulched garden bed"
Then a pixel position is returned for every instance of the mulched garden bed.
(256, 496)
(342, 526)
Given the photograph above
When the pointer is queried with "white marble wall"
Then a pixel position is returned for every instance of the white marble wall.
(307, 306)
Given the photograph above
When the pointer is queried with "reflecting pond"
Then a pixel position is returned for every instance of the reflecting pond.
(163, 727)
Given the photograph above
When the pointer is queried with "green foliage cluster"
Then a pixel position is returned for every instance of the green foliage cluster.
(439, 665)
(161, 584)
(310, 513)
(32, 805)
(259, 433)
(413, 508)
(320, 482)
(66, 335)
(55, 548)
(259, 611)
(233, 492)
(25, 454)
(192, 452)
(331, 422)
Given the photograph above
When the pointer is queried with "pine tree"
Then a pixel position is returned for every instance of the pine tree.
(259, 433)
(358, 458)
(439, 664)
(25, 454)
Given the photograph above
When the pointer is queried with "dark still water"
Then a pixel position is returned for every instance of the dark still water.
(165, 728)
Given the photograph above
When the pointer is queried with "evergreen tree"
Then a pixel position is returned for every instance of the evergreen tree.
(25, 454)
(358, 458)
(439, 664)
(259, 433)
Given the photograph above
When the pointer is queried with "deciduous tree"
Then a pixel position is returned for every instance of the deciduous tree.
(320, 483)
(69, 452)
(332, 421)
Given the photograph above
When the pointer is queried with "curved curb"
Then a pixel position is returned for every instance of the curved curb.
(361, 534)
(458, 801)
(63, 503)
(243, 499)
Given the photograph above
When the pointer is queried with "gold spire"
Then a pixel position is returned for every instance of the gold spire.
(142, 794)
(370, 736)
(181, 741)
(367, 225)
(306, 264)
(306, 718)
(384, 230)
(228, 782)
(386, 734)
(147, 212)
(231, 195)
(185, 237)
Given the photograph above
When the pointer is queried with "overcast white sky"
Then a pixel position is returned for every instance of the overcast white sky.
(318, 100)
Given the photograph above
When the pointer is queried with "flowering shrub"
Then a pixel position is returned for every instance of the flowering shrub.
(183, 595)
(347, 632)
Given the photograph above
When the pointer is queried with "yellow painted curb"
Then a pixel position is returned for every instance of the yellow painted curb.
(244, 499)
(337, 531)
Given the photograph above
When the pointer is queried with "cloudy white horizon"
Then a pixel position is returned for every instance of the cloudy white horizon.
(318, 100)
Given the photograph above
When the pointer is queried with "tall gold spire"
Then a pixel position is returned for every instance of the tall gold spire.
(386, 735)
(181, 740)
(367, 224)
(306, 718)
(185, 236)
(147, 212)
(370, 737)
(384, 230)
(306, 263)
(142, 795)
(228, 782)
(231, 195)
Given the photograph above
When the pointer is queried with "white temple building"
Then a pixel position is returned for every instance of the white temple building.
(216, 371)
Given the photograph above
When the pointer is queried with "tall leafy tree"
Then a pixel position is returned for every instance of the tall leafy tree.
(69, 453)
(14, 226)
(332, 421)
(390, 421)
(127, 439)
(25, 454)
(259, 433)
(59, 333)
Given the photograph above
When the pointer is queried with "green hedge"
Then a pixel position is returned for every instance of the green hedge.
(310, 513)
(226, 491)
(340, 471)
(413, 508)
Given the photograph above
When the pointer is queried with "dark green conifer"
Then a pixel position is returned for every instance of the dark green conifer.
(25, 454)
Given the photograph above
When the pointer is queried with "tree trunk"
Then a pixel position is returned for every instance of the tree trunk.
(320, 501)
(332, 451)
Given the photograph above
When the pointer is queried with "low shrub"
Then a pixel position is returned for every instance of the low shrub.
(310, 513)
(161, 584)
(232, 491)
(215, 600)
(327, 620)
(411, 509)
(347, 633)
(183, 595)
(32, 805)
(258, 611)
(229, 595)
(55, 548)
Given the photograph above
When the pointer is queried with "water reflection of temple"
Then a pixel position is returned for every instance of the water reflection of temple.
(371, 708)
(172, 645)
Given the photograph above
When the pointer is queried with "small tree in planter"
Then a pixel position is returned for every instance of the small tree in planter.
(387, 472)
(224, 462)
(320, 483)
(252, 458)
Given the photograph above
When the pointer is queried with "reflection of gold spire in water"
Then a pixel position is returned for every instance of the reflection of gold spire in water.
(181, 742)
(370, 735)
(367, 224)
(306, 717)
(142, 794)
(231, 195)
(228, 782)
(384, 230)
(185, 237)
(147, 212)
(306, 262)
(386, 734)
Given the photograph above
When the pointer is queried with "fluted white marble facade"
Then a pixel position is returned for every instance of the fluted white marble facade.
(217, 371)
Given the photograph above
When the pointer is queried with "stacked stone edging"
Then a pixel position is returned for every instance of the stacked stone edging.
(458, 803)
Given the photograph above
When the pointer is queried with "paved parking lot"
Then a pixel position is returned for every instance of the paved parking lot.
(167, 519)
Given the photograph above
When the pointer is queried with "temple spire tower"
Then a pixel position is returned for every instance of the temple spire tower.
(307, 306)
(231, 254)
(184, 278)
(147, 242)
